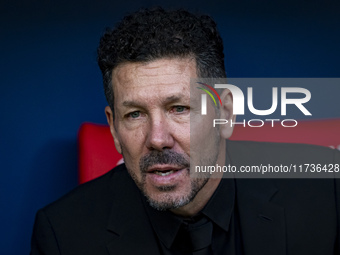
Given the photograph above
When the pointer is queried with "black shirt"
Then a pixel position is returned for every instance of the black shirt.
(220, 209)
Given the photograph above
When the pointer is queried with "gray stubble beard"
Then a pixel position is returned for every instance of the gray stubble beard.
(171, 157)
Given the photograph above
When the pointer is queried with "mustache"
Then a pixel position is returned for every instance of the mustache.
(163, 157)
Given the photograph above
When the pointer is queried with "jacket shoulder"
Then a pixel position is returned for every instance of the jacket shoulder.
(92, 193)
(77, 222)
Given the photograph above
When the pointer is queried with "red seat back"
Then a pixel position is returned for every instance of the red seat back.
(318, 132)
(97, 152)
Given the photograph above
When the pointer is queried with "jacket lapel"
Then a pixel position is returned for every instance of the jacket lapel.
(137, 239)
(130, 227)
(262, 222)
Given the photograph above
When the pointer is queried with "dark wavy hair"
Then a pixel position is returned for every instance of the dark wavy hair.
(151, 34)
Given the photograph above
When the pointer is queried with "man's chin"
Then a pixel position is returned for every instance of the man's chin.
(168, 201)
(171, 197)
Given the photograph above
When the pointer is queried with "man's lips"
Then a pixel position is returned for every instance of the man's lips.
(164, 170)
(165, 175)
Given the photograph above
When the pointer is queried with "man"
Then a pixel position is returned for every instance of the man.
(151, 205)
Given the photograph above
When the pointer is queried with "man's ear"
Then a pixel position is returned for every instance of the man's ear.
(226, 112)
(110, 121)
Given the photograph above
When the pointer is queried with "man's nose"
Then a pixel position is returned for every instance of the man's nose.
(159, 134)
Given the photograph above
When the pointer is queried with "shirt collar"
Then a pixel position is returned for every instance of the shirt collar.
(221, 205)
(164, 223)
(219, 210)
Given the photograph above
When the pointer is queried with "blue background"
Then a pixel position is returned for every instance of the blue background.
(50, 82)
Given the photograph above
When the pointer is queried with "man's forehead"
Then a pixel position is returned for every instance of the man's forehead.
(159, 71)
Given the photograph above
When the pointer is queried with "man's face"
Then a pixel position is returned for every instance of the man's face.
(152, 129)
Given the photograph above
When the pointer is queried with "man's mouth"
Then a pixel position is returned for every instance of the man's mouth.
(164, 170)
(164, 173)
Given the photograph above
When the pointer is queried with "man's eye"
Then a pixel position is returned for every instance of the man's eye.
(179, 108)
(134, 115)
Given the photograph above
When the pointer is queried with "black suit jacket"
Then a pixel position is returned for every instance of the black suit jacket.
(277, 216)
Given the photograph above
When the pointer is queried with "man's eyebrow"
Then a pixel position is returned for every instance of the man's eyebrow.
(168, 100)
(131, 103)
(173, 99)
